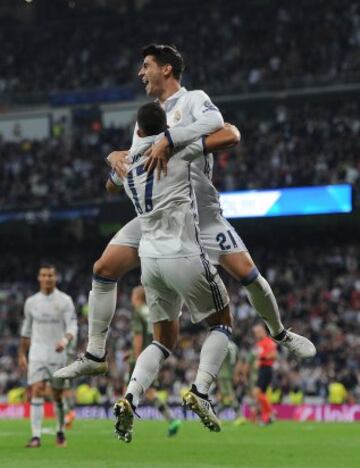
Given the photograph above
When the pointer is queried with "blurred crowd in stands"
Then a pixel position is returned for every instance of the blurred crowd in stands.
(310, 144)
(228, 47)
(318, 294)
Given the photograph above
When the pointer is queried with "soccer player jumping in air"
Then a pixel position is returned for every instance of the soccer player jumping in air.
(190, 115)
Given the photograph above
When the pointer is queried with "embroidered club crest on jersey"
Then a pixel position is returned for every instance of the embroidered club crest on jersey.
(177, 117)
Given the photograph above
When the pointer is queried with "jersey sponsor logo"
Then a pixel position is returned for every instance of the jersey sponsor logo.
(46, 320)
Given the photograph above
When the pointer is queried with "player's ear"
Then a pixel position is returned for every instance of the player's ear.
(167, 69)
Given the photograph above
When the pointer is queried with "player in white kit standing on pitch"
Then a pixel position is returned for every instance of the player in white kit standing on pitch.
(175, 270)
(49, 326)
(190, 115)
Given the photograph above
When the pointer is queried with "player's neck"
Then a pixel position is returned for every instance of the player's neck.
(170, 89)
(47, 291)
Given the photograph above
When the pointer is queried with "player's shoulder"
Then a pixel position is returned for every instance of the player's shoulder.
(31, 299)
(61, 295)
(196, 95)
(197, 98)
(140, 145)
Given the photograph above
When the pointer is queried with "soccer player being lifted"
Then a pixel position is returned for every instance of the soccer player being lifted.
(49, 326)
(190, 115)
(175, 270)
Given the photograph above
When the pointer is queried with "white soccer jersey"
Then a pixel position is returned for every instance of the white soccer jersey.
(47, 319)
(165, 207)
(195, 107)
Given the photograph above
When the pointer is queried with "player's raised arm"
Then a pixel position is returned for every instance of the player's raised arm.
(207, 119)
(227, 137)
(25, 338)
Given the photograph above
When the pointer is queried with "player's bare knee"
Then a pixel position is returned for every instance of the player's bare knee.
(38, 390)
(168, 341)
(222, 317)
(101, 268)
(239, 265)
(166, 333)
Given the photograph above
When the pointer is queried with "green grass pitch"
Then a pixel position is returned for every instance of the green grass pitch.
(92, 444)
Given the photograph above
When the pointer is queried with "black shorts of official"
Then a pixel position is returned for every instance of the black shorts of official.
(264, 378)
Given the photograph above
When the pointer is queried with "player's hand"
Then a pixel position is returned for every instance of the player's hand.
(119, 162)
(61, 345)
(158, 156)
(22, 362)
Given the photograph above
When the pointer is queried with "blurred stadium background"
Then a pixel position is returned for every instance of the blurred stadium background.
(286, 73)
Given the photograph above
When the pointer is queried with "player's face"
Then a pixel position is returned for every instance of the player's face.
(152, 76)
(47, 279)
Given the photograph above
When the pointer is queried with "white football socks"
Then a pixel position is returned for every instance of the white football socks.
(213, 353)
(146, 370)
(102, 305)
(36, 415)
(263, 300)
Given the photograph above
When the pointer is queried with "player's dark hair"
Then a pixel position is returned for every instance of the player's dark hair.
(151, 119)
(48, 266)
(166, 55)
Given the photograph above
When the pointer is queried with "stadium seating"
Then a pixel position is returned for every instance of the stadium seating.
(288, 146)
(98, 47)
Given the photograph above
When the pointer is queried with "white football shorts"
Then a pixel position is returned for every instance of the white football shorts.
(218, 238)
(171, 282)
(39, 371)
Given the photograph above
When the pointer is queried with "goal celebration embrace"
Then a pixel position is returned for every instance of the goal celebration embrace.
(179, 219)
(178, 237)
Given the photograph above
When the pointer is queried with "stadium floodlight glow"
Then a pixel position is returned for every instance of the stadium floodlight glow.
(294, 201)
(28, 1)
